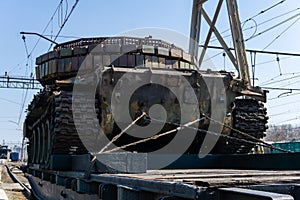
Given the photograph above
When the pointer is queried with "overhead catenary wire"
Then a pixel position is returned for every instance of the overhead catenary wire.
(64, 19)
(279, 114)
(278, 81)
(272, 27)
(295, 82)
(27, 54)
(271, 19)
(281, 105)
(278, 76)
(22, 106)
(46, 27)
(6, 117)
(288, 113)
(256, 25)
(273, 60)
(251, 18)
(289, 120)
(277, 53)
(16, 66)
(256, 51)
(284, 31)
(211, 57)
(25, 45)
(281, 96)
(255, 28)
(64, 22)
(62, 36)
(10, 101)
(266, 10)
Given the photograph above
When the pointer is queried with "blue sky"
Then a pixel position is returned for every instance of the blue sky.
(104, 18)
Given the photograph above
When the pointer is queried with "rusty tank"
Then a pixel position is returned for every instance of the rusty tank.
(53, 121)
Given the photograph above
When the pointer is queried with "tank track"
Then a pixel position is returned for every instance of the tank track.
(65, 138)
(249, 116)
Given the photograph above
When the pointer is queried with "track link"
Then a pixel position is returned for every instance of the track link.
(249, 116)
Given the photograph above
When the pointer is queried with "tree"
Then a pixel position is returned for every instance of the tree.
(285, 132)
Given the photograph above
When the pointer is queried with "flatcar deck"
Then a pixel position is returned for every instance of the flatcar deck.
(218, 177)
(206, 184)
(250, 177)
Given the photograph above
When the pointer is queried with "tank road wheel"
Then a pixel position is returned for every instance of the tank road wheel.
(35, 146)
(47, 147)
(31, 151)
(41, 143)
(38, 145)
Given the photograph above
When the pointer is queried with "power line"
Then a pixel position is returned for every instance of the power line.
(10, 101)
(279, 114)
(289, 120)
(267, 9)
(289, 112)
(258, 51)
(65, 21)
(211, 57)
(272, 27)
(280, 96)
(259, 13)
(46, 27)
(22, 106)
(27, 54)
(256, 24)
(25, 45)
(280, 105)
(273, 60)
(291, 83)
(285, 30)
(271, 19)
(282, 80)
(63, 36)
(18, 65)
(285, 74)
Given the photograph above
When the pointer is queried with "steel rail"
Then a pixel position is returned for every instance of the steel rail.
(16, 180)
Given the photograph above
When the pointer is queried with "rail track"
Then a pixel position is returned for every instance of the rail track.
(27, 190)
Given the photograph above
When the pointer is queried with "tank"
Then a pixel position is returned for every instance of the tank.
(118, 85)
